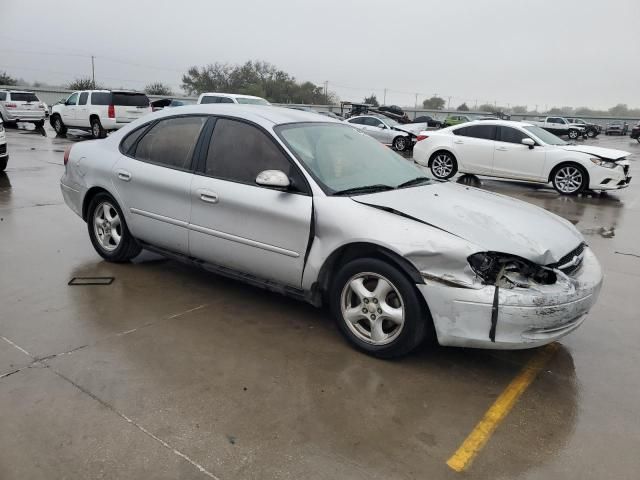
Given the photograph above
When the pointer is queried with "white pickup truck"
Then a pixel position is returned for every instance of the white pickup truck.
(560, 126)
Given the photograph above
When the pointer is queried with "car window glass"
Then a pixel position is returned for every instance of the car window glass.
(461, 131)
(3, 96)
(226, 100)
(130, 140)
(171, 141)
(130, 99)
(239, 152)
(72, 100)
(373, 122)
(485, 132)
(357, 121)
(83, 98)
(511, 135)
(210, 99)
(100, 98)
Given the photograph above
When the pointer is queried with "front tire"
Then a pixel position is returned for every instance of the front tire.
(3, 163)
(400, 143)
(570, 179)
(378, 309)
(108, 230)
(58, 125)
(573, 134)
(443, 165)
(591, 133)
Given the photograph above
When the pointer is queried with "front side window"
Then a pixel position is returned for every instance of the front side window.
(72, 100)
(83, 98)
(3, 96)
(171, 142)
(357, 121)
(343, 158)
(511, 135)
(226, 100)
(373, 122)
(239, 152)
(546, 137)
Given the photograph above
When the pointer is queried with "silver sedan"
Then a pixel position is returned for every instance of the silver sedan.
(309, 207)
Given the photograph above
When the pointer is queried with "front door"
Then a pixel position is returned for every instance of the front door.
(512, 159)
(68, 113)
(242, 226)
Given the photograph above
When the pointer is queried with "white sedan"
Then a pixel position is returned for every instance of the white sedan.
(521, 151)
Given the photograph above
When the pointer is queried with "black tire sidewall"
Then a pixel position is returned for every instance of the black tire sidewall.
(122, 252)
(585, 181)
(417, 319)
(395, 144)
(62, 129)
(453, 159)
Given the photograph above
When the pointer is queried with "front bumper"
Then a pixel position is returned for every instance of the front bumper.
(527, 317)
(609, 178)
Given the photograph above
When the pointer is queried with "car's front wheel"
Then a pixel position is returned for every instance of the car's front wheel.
(570, 179)
(591, 133)
(108, 230)
(58, 125)
(378, 309)
(573, 134)
(443, 165)
(400, 143)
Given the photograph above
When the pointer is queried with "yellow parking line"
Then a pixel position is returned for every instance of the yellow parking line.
(480, 435)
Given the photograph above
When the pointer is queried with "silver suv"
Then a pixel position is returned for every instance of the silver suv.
(20, 106)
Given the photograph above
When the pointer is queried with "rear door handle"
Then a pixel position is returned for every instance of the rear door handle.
(502, 149)
(207, 196)
(124, 175)
(458, 142)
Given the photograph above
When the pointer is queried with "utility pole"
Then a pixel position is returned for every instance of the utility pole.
(449, 103)
(93, 72)
(416, 106)
(476, 107)
(326, 88)
(384, 101)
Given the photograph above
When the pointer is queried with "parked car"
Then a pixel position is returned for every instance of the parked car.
(560, 126)
(231, 98)
(521, 151)
(430, 121)
(616, 127)
(635, 132)
(385, 130)
(169, 103)
(456, 120)
(335, 116)
(21, 106)
(98, 111)
(329, 216)
(592, 129)
(4, 154)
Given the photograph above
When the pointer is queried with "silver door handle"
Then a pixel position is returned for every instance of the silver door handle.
(209, 197)
(502, 149)
(124, 175)
(458, 141)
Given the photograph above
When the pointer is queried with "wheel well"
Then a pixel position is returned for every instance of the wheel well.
(93, 116)
(442, 150)
(562, 164)
(92, 192)
(352, 251)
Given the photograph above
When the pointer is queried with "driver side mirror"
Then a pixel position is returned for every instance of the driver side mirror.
(382, 126)
(273, 179)
(529, 142)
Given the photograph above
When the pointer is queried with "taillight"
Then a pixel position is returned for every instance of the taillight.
(111, 112)
(421, 137)
(67, 151)
(11, 105)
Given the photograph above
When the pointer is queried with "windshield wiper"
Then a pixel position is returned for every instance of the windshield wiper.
(413, 181)
(365, 189)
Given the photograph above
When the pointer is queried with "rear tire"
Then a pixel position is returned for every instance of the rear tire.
(570, 179)
(591, 133)
(396, 320)
(443, 165)
(3, 163)
(108, 230)
(58, 125)
(96, 129)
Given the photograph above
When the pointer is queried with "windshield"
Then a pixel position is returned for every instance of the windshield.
(546, 137)
(343, 158)
(252, 101)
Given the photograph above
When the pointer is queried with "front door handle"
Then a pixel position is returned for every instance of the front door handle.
(207, 196)
(502, 149)
(124, 175)
(458, 142)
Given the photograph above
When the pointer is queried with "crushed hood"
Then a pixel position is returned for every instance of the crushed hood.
(604, 153)
(491, 221)
(409, 128)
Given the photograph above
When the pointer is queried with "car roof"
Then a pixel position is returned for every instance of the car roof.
(504, 123)
(17, 91)
(264, 115)
(229, 95)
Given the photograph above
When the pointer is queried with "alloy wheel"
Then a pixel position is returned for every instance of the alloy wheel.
(568, 179)
(107, 226)
(442, 165)
(372, 308)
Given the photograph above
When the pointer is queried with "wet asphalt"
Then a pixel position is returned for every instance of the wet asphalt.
(171, 372)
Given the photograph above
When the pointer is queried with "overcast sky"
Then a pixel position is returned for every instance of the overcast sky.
(544, 52)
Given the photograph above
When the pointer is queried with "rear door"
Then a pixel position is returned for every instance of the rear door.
(240, 225)
(153, 177)
(130, 106)
(512, 159)
(474, 147)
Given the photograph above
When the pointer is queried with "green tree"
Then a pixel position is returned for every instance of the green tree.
(434, 103)
(6, 79)
(519, 109)
(463, 108)
(487, 107)
(620, 110)
(372, 100)
(158, 88)
(82, 83)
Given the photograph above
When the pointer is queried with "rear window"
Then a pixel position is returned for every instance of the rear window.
(24, 97)
(210, 99)
(252, 101)
(130, 99)
(100, 98)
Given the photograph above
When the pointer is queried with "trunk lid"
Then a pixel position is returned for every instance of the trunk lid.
(130, 106)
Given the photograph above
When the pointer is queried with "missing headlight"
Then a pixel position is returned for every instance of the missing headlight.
(509, 270)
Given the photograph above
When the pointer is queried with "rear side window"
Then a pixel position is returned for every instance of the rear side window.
(3, 96)
(100, 98)
(225, 100)
(239, 152)
(24, 97)
(511, 135)
(210, 99)
(485, 132)
(83, 98)
(170, 142)
(130, 140)
(130, 99)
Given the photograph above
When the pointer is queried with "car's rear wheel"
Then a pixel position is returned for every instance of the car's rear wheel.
(108, 230)
(570, 179)
(400, 143)
(591, 133)
(378, 309)
(58, 125)
(443, 165)
(96, 129)
(3, 163)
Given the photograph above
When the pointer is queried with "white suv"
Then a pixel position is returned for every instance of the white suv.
(18, 106)
(98, 111)
(231, 98)
(4, 155)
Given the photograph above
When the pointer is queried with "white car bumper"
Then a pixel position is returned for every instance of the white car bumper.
(609, 178)
(526, 317)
